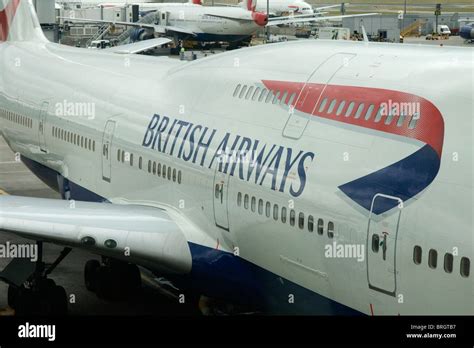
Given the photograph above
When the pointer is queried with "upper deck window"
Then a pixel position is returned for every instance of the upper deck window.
(237, 89)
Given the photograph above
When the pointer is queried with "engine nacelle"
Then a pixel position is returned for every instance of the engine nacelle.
(467, 32)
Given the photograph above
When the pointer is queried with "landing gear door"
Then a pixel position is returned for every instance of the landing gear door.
(382, 233)
(42, 125)
(107, 150)
(311, 92)
(220, 199)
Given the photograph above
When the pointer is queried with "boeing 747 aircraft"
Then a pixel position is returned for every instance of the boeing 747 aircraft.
(338, 185)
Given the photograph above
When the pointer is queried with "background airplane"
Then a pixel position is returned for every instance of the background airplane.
(208, 23)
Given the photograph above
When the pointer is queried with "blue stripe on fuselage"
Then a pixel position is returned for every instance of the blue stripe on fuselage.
(403, 179)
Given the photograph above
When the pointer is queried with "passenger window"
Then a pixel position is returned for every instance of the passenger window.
(379, 115)
(310, 223)
(270, 95)
(260, 206)
(255, 94)
(246, 201)
(131, 159)
(368, 114)
(263, 94)
(239, 199)
(217, 190)
(158, 170)
(169, 173)
(330, 229)
(275, 212)
(283, 98)
(277, 97)
(292, 217)
(375, 243)
(149, 166)
(292, 98)
(164, 172)
(253, 204)
(359, 110)
(413, 121)
(267, 209)
(433, 258)
(174, 175)
(93, 145)
(389, 118)
(283, 215)
(249, 92)
(331, 106)
(236, 91)
(448, 263)
(123, 156)
(301, 220)
(340, 108)
(118, 155)
(320, 226)
(154, 168)
(323, 105)
(401, 119)
(179, 177)
(140, 162)
(417, 253)
(465, 267)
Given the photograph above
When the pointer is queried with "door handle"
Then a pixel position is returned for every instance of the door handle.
(384, 246)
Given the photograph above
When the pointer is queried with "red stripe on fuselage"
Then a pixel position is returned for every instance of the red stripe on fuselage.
(429, 127)
(6, 17)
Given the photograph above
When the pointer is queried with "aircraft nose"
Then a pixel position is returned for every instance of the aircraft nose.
(260, 18)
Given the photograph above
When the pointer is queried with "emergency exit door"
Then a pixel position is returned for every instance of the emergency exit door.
(220, 198)
(381, 247)
(107, 150)
(322, 75)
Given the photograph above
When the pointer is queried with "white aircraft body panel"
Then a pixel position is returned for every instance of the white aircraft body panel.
(388, 185)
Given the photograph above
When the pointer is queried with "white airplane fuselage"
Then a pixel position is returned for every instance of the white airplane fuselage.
(212, 24)
(284, 7)
(108, 125)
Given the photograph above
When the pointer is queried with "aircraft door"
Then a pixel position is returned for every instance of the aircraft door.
(107, 150)
(42, 125)
(220, 198)
(164, 17)
(311, 92)
(382, 233)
